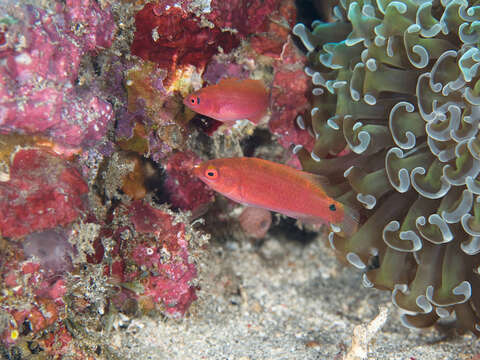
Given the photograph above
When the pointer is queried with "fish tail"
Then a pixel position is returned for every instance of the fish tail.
(351, 220)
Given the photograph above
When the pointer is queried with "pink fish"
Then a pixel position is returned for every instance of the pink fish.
(265, 184)
(230, 100)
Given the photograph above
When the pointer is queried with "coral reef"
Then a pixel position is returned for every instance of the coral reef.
(41, 56)
(397, 83)
(173, 34)
(82, 241)
(170, 35)
(185, 190)
(34, 270)
(289, 98)
(151, 257)
(43, 191)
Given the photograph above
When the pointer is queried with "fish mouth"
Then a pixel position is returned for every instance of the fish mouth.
(197, 170)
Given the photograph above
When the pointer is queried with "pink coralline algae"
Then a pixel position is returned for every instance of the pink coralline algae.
(156, 265)
(43, 191)
(40, 294)
(185, 190)
(290, 99)
(35, 305)
(169, 258)
(89, 24)
(40, 63)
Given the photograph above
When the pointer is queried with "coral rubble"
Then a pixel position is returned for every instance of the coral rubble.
(397, 84)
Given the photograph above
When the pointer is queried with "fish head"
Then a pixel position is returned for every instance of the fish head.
(195, 101)
(221, 176)
(334, 212)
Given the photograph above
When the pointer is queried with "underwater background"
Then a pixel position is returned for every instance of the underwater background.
(112, 248)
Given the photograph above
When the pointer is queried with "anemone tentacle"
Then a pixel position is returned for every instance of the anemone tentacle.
(397, 98)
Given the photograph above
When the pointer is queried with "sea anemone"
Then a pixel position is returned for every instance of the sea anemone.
(395, 114)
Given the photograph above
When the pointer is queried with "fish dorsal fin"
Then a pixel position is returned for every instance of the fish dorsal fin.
(251, 85)
(228, 81)
(325, 184)
(320, 181)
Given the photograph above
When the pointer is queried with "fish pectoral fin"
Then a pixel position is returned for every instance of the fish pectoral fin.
(312, 220)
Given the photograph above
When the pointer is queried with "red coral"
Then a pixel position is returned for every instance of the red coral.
(169, 35)
(185, 190)
(279, 24)
(43, 192)
(148, 220)
(290, 91)
(176, 294)
(162, 253)
(245, 16)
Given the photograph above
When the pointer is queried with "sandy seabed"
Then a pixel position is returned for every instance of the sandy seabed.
(286, 300)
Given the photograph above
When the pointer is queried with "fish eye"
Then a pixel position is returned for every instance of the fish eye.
(192, 100)
(332, 207)
(211, 173)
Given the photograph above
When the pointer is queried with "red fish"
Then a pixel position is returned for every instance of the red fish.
(230, 100)
(281, 188)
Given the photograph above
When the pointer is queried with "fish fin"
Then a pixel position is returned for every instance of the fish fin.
(351, 220)
(324, 183)
(253, 85)
(319, 180)
(313, 221)
(228, 81)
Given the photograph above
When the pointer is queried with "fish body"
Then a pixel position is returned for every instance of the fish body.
(269, 185)
(231, 100)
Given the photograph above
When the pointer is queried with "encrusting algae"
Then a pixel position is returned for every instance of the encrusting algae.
(396, 83)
